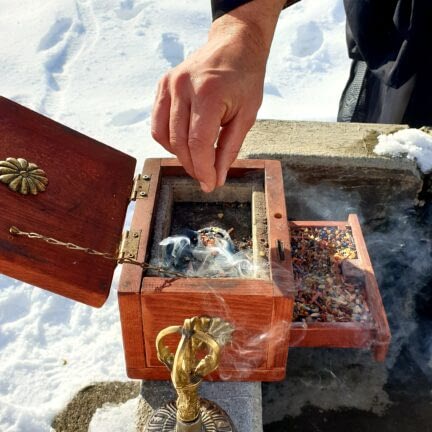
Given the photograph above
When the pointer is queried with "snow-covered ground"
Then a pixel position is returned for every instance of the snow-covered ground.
(94, 65)
(413, 144)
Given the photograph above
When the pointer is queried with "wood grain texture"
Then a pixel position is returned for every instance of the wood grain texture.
(376, 307)
(332, 335)
(132, 329)
(279, 339)
(245, 164)
(160, 373)
(297, 223)
(240, 168)
(85, 203)
(260, 310)
(131, 276)
(280, 265)
(278, 231)
(349, 335)
(143, 217)
(223, 286)
(250, 316)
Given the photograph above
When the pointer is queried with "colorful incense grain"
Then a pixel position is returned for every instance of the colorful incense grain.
(324, 293)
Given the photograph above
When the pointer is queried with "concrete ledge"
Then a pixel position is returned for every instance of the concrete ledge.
(241, 401)
(330, 169)
(323, 143)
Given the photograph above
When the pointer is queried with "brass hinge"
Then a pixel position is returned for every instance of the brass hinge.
(141, 187)
(129, 245)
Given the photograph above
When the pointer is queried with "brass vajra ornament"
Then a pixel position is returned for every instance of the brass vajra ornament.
(22, 177)
(188, 367)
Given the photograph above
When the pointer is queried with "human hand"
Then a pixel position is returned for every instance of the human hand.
(206, 105)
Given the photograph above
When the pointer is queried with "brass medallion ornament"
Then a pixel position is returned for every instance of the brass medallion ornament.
(22, 177)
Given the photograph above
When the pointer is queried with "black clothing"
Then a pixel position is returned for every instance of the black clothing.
(221, 7)
(390, 75)
(389, 42)
(391, 36)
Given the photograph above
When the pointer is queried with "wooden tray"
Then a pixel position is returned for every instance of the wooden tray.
(374, 335)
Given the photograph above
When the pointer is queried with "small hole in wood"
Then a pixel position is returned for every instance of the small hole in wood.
(278, 215)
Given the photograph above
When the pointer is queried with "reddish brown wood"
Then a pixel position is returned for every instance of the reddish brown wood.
(160, 373)
(248, 349)
(332, 335)
(349, 335)
(240, 168)
(132, 329)
(278, 231)
(280, 265)
(376, 307)
(279, 338)
(85, 203)
(260, 310)
(248, 164)
(130, 280)
(225, 286)
(340, 224)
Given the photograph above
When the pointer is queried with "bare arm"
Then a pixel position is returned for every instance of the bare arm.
(214, 95)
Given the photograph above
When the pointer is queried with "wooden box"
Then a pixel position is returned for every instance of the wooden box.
(68, 239)
(89, 189)
(260, 309)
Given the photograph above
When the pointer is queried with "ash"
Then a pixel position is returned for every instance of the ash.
(209, 252)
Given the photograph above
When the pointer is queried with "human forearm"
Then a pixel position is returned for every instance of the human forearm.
(214, 95)
(255, 20)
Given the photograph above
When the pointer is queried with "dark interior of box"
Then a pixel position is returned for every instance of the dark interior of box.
(236, 214)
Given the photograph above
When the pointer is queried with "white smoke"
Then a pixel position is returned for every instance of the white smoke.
(208, 252)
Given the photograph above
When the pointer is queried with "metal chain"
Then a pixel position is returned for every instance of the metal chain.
(52, 241)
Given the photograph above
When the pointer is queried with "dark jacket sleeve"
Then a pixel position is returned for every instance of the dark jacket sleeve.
(391, 36)
(221, 7)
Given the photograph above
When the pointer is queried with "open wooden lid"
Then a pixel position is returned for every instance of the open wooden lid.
(85, 203)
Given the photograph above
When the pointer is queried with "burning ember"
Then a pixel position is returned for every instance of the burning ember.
(208, 252)
(324, 293)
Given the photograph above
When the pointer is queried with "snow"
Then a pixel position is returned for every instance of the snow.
(114, 418)
(94, 66)
(413, 144)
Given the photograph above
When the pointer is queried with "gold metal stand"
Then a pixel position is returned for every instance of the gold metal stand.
(190, 413)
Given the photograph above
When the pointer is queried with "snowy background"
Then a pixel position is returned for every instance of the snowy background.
(94, 66)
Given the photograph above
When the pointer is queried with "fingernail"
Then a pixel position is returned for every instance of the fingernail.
(223, 178)
(205, 187)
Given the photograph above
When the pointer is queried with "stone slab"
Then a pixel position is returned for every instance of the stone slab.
(241, 401)
(330, 169)
(323, 143)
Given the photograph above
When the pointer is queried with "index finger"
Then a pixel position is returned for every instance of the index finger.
(204, 128)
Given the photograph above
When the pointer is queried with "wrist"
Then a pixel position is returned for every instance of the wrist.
(253, 23)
